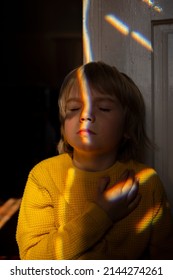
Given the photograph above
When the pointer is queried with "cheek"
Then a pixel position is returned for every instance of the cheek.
(115, 127)
(69, 127)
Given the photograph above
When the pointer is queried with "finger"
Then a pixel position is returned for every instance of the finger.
(129, 182)
(103, 183)
(133, 191)
(135, 202)
(121, 181)
(124, 175)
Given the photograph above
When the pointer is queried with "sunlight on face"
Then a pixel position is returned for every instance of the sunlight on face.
(86, 99)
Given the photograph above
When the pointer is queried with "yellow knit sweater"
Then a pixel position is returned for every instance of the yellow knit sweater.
(59, 220)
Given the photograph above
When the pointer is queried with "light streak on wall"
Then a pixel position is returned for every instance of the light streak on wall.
(118, 24)
(141, 40)
(87, 52)
(152, 5)
(124, 29)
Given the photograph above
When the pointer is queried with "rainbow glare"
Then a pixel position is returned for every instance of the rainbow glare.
(148, 219)
(114, 192)
(118, 24)
(118, 190)
(86, 38)
(142, 40)
(145, 174)
(152, 5)
(86, 97)
(124, 29)
(122, 187)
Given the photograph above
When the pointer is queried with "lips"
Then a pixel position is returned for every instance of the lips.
(85, 131)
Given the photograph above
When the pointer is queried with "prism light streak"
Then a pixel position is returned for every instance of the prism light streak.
(152, 5)
(142, 40)
(118, 24)
(148, 219)
(124, 29)
(86, 38)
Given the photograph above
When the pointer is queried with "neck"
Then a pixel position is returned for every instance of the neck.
(91, 162)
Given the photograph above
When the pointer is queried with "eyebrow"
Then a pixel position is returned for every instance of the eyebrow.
(76, 99)
(104, 99)
(97, 99)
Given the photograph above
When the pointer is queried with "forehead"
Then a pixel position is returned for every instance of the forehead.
(87, 92)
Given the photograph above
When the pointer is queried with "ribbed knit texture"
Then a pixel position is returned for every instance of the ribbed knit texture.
(58, 218)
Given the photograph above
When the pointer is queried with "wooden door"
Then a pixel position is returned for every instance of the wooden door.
(137, 37)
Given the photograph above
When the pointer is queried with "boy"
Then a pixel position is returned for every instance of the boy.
(96, 200)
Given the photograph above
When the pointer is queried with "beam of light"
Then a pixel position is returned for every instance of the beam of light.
(152, 5)
(118, 190)
(86, 38)
(124, 29)
(86, 97)
(118, 24)
(144, 175)
(158, 9)
(114, 193)
(66, 193)
(69, 182)
(142, 40)
(148, 218)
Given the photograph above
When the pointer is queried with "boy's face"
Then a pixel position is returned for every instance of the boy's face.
(94, 122)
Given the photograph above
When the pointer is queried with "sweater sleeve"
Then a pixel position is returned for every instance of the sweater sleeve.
(39, 237)
(161, 245)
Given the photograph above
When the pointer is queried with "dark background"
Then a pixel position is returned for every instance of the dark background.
(41, 41)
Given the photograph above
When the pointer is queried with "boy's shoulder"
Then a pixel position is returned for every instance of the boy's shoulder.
(55, 162)
(143, 170)
(139, 166)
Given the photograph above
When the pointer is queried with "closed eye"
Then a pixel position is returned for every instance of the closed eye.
(74, 109)
(105, 109)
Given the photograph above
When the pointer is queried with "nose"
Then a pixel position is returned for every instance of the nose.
(90, 119)
(87, 117)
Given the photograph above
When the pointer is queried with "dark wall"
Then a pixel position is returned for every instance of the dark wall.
(41, 41)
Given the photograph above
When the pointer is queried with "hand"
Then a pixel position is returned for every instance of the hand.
(121, 198)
